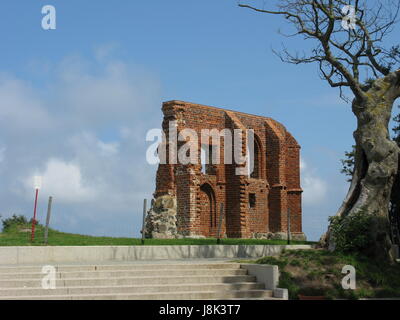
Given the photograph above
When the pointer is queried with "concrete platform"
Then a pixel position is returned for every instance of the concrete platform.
(85, 254)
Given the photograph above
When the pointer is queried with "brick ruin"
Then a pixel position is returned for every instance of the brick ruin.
(188, 198)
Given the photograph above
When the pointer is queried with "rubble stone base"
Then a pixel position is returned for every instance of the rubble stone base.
(161, 219)
(280, 236)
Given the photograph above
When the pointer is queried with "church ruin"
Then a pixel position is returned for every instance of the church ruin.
(188, 197)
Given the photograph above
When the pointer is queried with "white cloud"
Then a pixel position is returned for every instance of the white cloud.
(2, 153)
(64, 182)
(86, 143)
(303, 165)
(116, 93)
(314, 188)
(20, 107)
(108, 149)
(83, 129)
(105, 51)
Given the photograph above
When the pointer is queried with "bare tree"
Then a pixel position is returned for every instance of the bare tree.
(350, 51)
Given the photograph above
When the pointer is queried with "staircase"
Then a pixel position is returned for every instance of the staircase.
(145, 281)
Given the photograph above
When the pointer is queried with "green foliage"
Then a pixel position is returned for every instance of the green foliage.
(352, 233)
(396, 129)
(375, 279)
(288, 282)
(14, 222)
(295, 263)
(348, 163)
(281, 263)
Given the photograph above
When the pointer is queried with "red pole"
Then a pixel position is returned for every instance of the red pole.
(34, 216)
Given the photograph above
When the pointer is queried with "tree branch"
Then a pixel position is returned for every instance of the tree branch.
(353, 53)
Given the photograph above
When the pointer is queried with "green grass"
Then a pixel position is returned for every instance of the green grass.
(15, 237)
(318, 273)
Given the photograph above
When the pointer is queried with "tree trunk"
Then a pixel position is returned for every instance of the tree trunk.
(376, 163)
(395, 207)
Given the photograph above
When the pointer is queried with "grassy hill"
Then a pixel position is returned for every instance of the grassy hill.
(20, 235)
(318, 273)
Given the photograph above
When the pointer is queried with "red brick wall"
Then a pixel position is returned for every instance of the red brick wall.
(276, 189)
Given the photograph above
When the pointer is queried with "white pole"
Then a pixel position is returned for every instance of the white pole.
(46, 231)
(144, 219)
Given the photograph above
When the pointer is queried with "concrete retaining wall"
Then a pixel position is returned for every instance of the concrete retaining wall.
(62, 254)
(266, 274)
(269, 276)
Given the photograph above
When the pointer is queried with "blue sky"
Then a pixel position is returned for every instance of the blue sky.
(76, 102)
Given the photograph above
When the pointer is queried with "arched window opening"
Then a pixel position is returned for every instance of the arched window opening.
(254, 160)
(203, 160)
(206, 157)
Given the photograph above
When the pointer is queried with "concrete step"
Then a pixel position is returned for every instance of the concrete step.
(133, 281)
(125, 273)
(132, 289)
(130, 267)
(191, 295)
(150, 280)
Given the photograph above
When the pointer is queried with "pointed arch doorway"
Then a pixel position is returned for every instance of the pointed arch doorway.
(208, 217)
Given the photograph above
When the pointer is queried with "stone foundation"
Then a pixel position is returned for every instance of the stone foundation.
(161, 219)
(296, 236)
